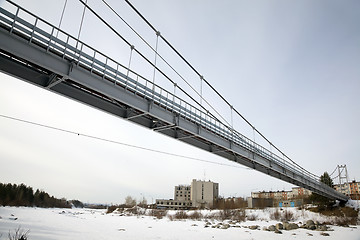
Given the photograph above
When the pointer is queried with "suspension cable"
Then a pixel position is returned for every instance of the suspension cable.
(333, 171)
(156, 53)
(145, 58)
(82, 19)
(131, 51)
(61, 18)
(200, 105)
(169, 65)
(194, 69)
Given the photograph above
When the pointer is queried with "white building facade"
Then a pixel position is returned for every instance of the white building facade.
(200, 194)
(204, 193)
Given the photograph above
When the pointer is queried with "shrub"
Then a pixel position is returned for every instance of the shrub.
(238, 215)
(276, 215)
(196, 215)
(342, 221)
(287, 216)
(232, 214)
(136, 210)
(225, 214)
(159, 214)
(180, 215)
(284, 216)
(345, 215)
(19, 234)
(111, 209)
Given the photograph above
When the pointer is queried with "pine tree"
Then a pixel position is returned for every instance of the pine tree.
(325, 178)
(320, 200)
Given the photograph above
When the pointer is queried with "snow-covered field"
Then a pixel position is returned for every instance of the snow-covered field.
(51, 224)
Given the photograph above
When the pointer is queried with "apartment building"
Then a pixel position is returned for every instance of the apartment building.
(343, 188)
(351, 189)
(279, 198)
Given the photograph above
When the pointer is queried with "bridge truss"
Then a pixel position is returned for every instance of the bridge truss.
(74, 69)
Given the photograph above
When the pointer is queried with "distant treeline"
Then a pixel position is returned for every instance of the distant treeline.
(22, 195)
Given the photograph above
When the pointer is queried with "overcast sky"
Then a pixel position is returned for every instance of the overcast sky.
(290, 67)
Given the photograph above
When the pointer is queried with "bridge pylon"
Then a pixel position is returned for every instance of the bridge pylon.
(343, 179)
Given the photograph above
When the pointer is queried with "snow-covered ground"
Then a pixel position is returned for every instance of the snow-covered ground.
(56, 224)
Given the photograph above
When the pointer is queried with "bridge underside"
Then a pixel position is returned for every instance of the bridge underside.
(37, 65)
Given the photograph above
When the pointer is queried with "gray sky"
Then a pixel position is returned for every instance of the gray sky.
(290, 67)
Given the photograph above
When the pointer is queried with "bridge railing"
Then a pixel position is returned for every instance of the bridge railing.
(62, 44)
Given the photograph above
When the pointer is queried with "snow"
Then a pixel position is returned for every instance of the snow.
(54, 224)
(353, 203)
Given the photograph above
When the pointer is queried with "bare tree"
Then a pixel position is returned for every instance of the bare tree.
(143, 202)
(130, 202)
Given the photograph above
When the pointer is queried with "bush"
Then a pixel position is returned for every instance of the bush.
(343, 214)
(225, 214)
(111, 209)
(180, 215)
(159, 214)
(229, 214)
(135, 210)
(284, 216)
(196, 215)
(287, 216)
(19, 234)
(343, 221)
(238, 215)
(276, 215)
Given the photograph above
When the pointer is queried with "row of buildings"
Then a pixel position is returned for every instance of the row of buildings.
(297, 195)
(296, 192)
(204, 194)
(293, 198)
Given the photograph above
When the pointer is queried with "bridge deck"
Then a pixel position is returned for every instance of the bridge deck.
(56, 61)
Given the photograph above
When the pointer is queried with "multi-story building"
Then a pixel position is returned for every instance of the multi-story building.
(200, 194)
(299, 192)
(354, 187)
(343, 188)
(204, 193)
(351, 189)
(182, 193)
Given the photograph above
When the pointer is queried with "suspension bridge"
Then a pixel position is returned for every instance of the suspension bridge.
(43, 54)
